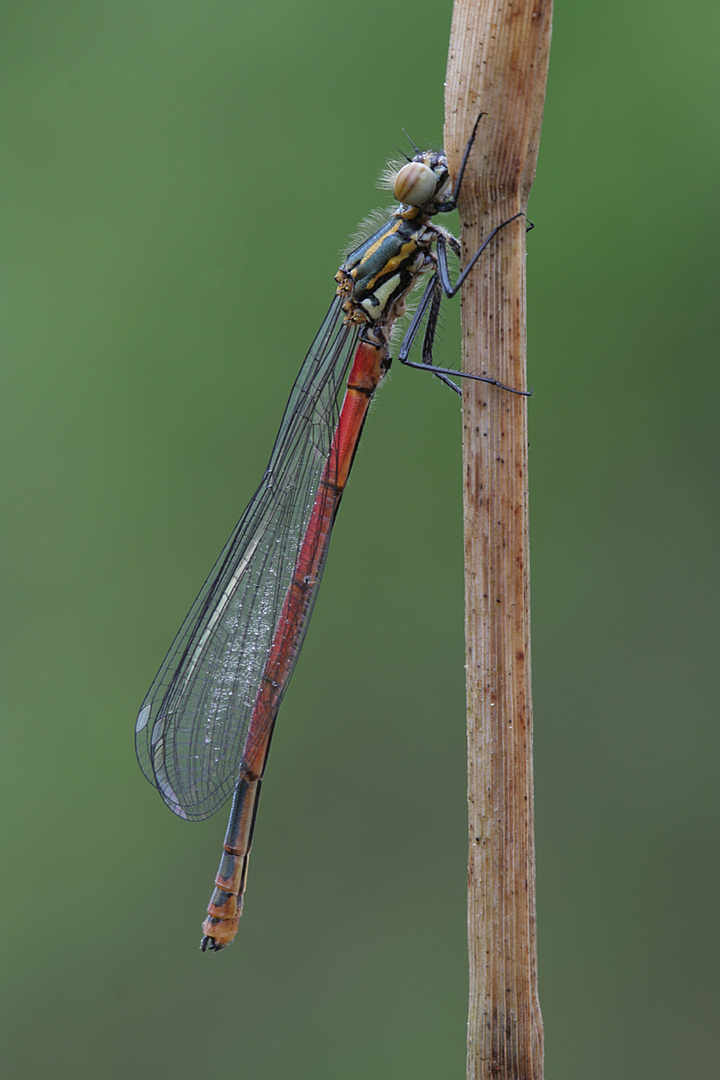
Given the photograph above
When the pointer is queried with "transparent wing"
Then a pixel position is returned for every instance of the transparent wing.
(193, 724)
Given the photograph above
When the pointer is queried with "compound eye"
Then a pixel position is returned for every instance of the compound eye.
(415, 184)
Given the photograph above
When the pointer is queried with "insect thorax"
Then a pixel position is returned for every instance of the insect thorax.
(375, 278)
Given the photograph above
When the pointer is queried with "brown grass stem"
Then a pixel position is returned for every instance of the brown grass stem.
(498, 65)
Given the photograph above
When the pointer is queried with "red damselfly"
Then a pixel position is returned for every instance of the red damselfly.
(204, 729)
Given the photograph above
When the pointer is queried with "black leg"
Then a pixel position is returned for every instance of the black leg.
(443, 270)
(430, 301)
(448, 206)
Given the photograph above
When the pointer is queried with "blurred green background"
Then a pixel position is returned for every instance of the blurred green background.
(178, 182)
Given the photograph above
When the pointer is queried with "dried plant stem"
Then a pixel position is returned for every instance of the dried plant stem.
(498, 65)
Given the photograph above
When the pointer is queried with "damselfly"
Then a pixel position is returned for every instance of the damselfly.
(204, 729)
